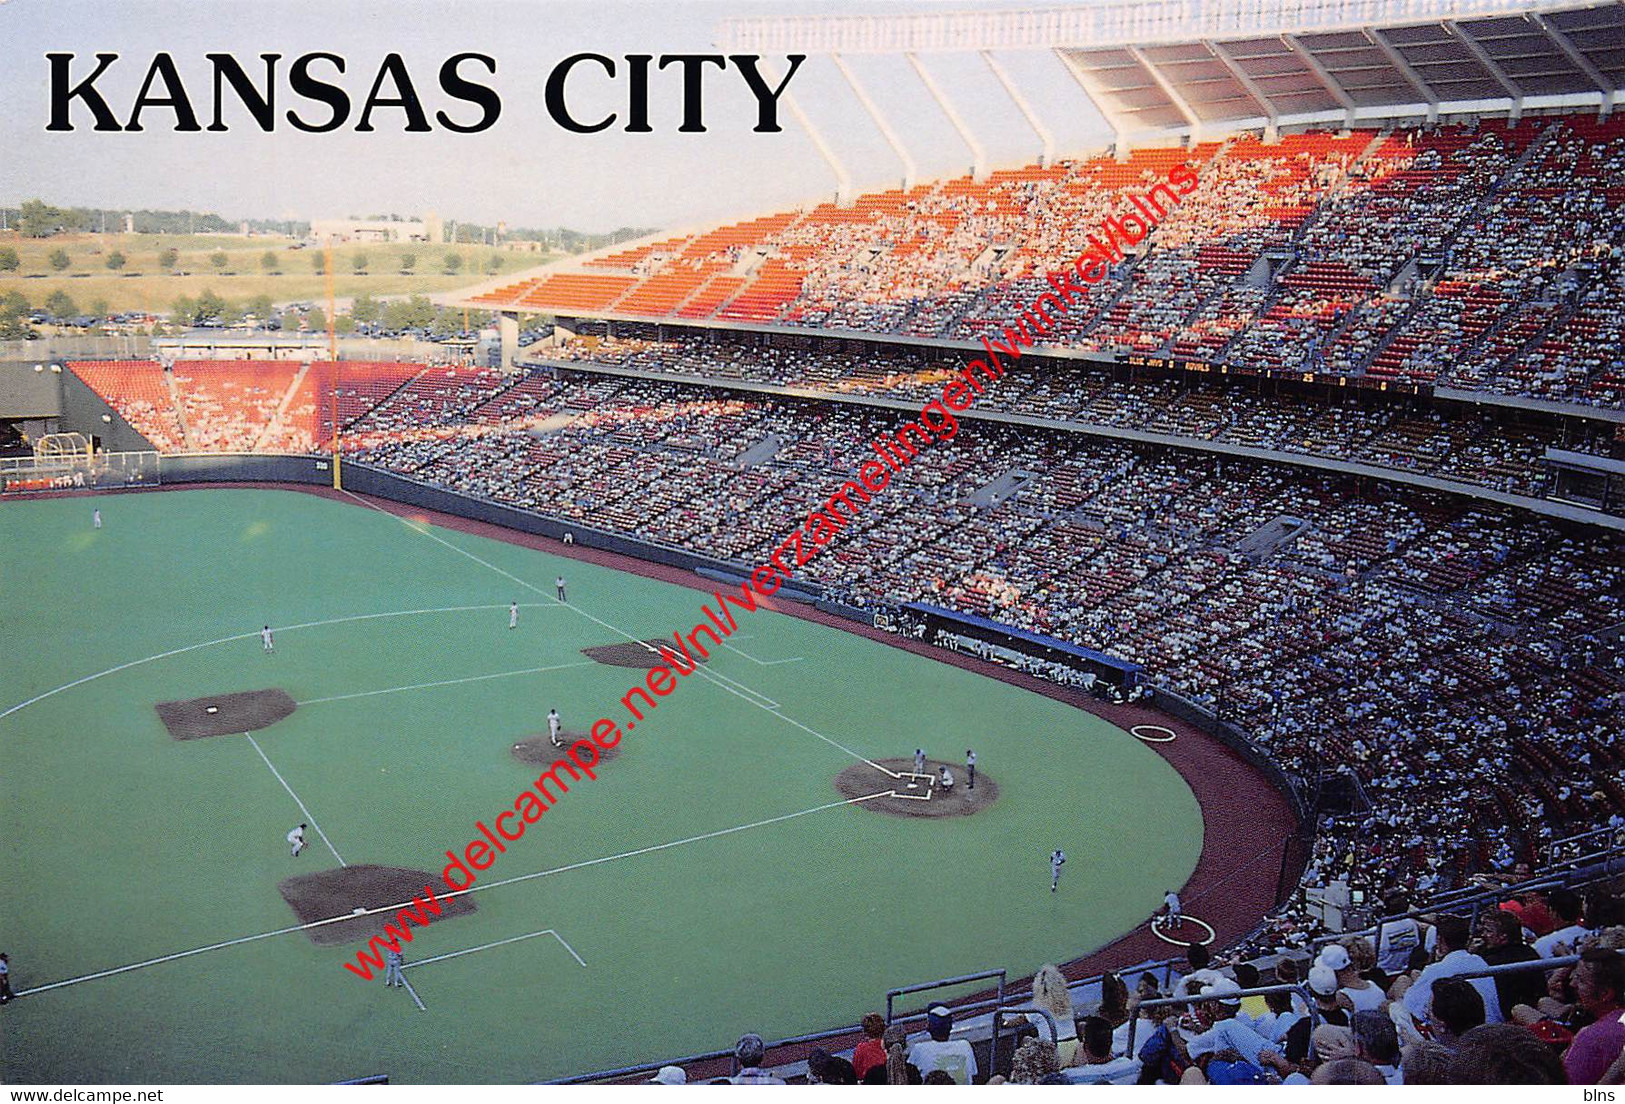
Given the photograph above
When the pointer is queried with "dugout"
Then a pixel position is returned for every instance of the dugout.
(1107, 668)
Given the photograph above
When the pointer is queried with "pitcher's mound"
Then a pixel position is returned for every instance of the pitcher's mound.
(325, 893)
(861, 780)
(538, 750)
(224, 714)
(633, 654)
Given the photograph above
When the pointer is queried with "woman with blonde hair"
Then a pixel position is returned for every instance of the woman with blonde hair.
(1050, 993)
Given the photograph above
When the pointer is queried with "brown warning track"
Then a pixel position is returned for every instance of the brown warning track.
(1247, 822)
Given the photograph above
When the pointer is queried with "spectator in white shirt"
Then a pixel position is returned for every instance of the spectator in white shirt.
(1457, 959)
(1566, 904)
(1096, 1065)
(953, 1056)
(1353, 992)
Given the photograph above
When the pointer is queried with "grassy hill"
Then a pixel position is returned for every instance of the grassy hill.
(143, 285)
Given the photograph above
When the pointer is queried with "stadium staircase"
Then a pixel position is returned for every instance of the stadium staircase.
(180, 408)
(274, 426)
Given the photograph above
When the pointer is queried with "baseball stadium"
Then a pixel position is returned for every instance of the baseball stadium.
(1231, 695)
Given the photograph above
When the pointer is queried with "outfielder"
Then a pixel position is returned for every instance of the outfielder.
(265, 638)
(296, 840)
(513, 615)
(96, 519)
(1056, 859)
(558, 584)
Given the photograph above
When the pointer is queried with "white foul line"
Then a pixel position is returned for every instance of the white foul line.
(498, 943)
(413, 992)
(295, 797)
(20, 706)
(472, 889)
(773, 709)
(446, 682)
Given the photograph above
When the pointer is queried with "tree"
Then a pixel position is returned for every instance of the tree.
(210, 306)
(269, 262)
(344, 324)
(184, 311)
(415, 313)
(60, 260)
(98, 308)
(259, 306)
(409, 261)
(60, 305)
(9, 260)
(116, 260)
(365, 309)
(452, 264)
(168, 259)
(316, 319)
(13, 302)
(493, 264)
(359, 263)
(219, 259)
(36, 220)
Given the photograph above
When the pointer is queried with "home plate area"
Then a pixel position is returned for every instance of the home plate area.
(925, 798)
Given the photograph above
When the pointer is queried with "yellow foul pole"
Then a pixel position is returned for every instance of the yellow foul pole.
(333, 356)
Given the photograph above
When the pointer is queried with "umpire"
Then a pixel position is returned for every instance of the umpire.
(392, 968)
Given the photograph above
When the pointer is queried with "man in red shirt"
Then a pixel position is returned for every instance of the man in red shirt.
(1599, 983)
(871, 1052)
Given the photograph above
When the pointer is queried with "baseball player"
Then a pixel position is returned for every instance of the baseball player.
(558, 584)
(296, 840)
(1175, 918)
(95, 519)
(970, 768)
(265, 638)
(554, 729)
(393, 978)
(919, 760)
(5, 979)
(1056, 859)
(513, 615)
(945, 779)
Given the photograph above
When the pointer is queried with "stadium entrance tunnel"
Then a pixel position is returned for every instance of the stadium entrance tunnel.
(329, 893)
(225, 714)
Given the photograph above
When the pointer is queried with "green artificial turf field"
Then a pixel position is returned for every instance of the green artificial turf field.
(125, 845)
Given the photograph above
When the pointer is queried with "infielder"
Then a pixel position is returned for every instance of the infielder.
(265, 638)
(558, 584)
(296, 840)
(1056, 859)
(970, 768)
(1176, 918)
(513, 615)
(554, 728)
(393, 978)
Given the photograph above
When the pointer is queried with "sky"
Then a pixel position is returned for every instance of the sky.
(525, 170)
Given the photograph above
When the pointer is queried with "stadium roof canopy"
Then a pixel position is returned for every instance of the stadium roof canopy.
(1158, 69)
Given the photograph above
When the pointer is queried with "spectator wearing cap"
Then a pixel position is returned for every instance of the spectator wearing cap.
(669, 1075)
(1353, 992)
(1599, 985)
(1455, 959)
(872, 1051)
(1323, 987)
(749, 1052)
(1500, 937)
(1221, 1000)
(953, 1056)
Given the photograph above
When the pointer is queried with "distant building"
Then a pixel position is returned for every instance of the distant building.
(380, 230)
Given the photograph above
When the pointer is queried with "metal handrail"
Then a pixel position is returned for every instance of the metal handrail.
(1023, 1009)
(983, 975)
(1197, 998)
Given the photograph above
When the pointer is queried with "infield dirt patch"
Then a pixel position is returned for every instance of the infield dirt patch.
(633, 654)
(224, 714)
(538, 750)
(325, 893)
(861, 780)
